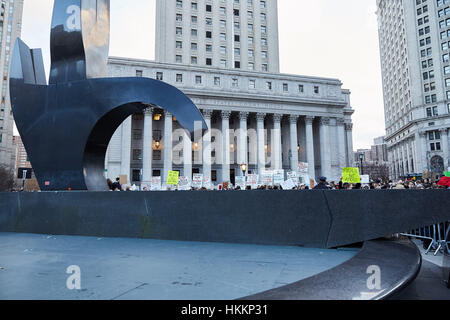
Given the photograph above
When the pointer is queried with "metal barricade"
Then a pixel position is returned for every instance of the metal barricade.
(437, 234)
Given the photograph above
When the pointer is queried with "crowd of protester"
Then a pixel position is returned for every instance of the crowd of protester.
(323, 184)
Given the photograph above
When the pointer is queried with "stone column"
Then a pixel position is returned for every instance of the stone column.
(294, 142)
(187, 155)
(424, 146)
(413, 155)
(408, 157)
(419, 165)
(276, 147)
(310, 147)
(226, 146)
(349, 132)
(446, 151)
(261, 142)
(342, 150)
(242, 142)
(207, 144)
(147, 152)
(325, 155)
(125, 166)
(167, 145)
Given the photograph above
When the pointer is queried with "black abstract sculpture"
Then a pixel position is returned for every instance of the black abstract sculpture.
(66, 125)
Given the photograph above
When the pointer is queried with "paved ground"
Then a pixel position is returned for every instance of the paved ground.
(34, 267)
(429, 285)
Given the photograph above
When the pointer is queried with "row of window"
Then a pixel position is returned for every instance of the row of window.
(222, 36)
(235, 82)
(194, 5)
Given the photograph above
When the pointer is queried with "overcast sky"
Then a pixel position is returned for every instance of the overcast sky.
(328, 38)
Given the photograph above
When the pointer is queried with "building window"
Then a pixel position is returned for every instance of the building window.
(198, 79)
(179, 78)
(252, 84)
(237, 64)
(159, 76)
(285, 87)
(269, 85)
(193, 60)
(301, 88)
(316, 90)
(217, 81)
(139, 73)
(178, 59)
(208, 61)
(137, 155)
(235, 83)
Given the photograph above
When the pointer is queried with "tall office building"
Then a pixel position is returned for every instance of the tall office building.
(237, 34)
(414, 38)
(10, 29)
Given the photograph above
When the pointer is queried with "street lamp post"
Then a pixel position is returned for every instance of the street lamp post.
(244, 169)
(361, 157)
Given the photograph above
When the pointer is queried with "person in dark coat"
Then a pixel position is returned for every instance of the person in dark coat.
(116, 185)
(322, 185)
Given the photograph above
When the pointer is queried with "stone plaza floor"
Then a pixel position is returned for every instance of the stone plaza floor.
(34, 267)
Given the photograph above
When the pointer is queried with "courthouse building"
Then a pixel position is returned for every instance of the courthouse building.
(224, 55)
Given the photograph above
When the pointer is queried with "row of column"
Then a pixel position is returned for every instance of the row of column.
(345, 146)
(411, 155)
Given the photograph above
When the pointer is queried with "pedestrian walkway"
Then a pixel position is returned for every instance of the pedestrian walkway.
(429, 284)
(34, 267)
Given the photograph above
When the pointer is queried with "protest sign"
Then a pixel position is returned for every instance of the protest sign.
(183, 183)
(292, 175)
(197, 181)
(267, 178)
(288, 184)
(252, 180)
(303, 167)
(207, 183)
(278, 177)
(156, 184)
(172, 178)
(447, 173)
(240, 182)
(351, 175)
(365, 179)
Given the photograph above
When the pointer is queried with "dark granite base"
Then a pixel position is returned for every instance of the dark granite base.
(398, 261)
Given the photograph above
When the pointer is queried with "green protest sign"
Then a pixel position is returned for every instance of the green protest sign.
(172, 178)
(351, 175)
(447, 174)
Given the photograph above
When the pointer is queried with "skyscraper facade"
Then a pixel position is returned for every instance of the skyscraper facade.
(415, 60)
(10, 29)
(236, 34)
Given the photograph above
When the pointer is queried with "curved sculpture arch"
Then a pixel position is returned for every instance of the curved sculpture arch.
(66, 126)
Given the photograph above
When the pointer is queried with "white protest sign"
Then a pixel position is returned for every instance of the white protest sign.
(207, 183)
(292, 175)
(183, 183)
(197, 181)
(156, 184)
(365, 179)
(278, 177)
(303, 167)
(288, 185)
(267, 178)
(252, 180)
(240, 182)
